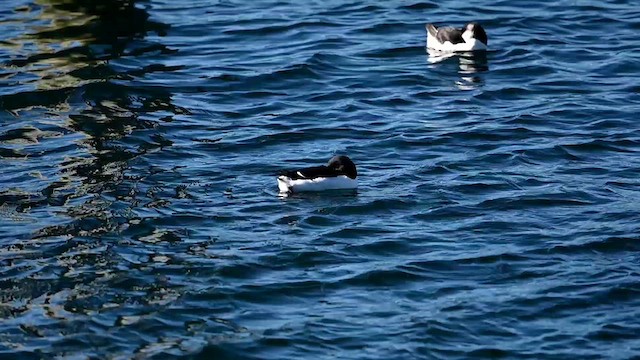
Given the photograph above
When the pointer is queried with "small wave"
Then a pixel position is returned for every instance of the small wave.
(423, 5)
(275, 29)
(612, 244)
(404, 51)
(537, 201)
(389, 277)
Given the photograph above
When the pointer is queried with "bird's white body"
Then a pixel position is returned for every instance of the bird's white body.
(286, 184)
(470, 44)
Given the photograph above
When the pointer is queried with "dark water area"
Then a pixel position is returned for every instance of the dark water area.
(497, 212)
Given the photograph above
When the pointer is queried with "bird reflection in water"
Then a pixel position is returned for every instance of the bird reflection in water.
(470, 64)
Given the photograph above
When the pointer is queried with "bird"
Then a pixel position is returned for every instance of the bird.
(339, 174)
(471, 37)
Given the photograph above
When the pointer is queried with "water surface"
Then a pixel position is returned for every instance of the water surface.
(497, 213)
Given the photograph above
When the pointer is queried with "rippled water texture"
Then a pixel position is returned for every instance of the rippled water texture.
(497, 213)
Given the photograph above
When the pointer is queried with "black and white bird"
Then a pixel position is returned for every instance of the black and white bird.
(471, 37)
(339, 174)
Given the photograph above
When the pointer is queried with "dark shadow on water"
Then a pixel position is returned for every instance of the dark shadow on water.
(75, 76)
(114, 22)
(79, 122)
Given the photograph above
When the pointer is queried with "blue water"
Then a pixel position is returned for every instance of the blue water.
(497, 213)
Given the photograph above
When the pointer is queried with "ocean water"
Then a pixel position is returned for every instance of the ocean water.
(497, 213)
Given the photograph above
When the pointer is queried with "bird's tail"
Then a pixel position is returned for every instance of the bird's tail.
(284, 184)
(431, 29)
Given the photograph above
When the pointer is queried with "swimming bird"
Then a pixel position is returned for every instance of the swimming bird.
(339, 174)
(471, 37)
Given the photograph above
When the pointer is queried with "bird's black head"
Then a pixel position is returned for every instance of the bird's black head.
(478, 32)
(343, 165)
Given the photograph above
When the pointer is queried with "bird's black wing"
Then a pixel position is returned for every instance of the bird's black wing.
(447, 33)
(310, 173)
